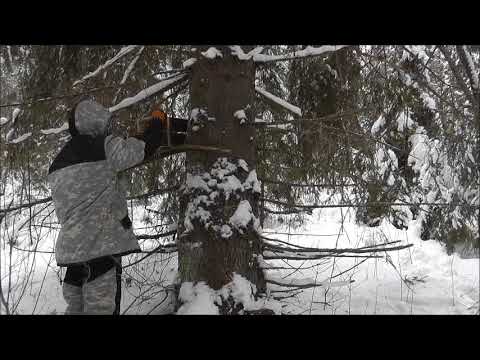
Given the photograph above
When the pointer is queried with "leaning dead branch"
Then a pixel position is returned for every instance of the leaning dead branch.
(309, 285)
(368, 249)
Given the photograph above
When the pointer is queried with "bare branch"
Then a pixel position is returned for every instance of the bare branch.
(48, 199)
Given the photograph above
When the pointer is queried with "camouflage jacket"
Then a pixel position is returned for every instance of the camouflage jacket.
(89, 198)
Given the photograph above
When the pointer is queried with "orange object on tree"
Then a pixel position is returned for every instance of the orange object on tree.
(160, 115)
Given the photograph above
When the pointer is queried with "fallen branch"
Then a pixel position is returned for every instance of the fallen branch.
(309, 285)
(283, 257)
(368, 249)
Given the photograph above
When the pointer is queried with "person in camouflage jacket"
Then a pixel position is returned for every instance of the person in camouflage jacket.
(90, 203)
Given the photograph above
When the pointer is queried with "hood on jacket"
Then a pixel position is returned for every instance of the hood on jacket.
(89, 118)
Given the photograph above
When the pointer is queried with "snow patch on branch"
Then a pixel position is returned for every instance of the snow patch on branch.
(243, 164)
(195, 211)
(428, 101)
(199, 117)
(15, 114)
(145, 93)
(226, 231)
(20, 138)
(222, 167)
(3, 121)
(418, 51)
(230, 184)
(379, 124)
(189, 62)
(243, 216)
(212, 53)
(238, 52)
(240, 115)
(404, 122)
(58, 130)
(292, 108)
(196, 182)
(223, 170)
(221, 180)
(252, 182)
(385, 160)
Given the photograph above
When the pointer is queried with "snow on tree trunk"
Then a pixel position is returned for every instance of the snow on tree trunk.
(219, 207)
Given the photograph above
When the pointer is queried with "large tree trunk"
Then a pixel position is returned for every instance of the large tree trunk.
(211, 245)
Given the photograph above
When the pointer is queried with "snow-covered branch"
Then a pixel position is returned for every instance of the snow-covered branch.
(129, 70)
(20, 138)
(275, 99)
(145, 93)
(123, 51)
(467, 61)
(307, 52)
(238, 52)
(58, 130)
(131, 65)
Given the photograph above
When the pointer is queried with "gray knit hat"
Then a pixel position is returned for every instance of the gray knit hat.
(91, 118)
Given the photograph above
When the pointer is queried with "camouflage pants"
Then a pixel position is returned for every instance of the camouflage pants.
(91, 290)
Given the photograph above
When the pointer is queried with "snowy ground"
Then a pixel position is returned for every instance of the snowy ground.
(420, 280)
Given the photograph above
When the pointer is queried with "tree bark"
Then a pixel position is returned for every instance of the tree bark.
(219, 88)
